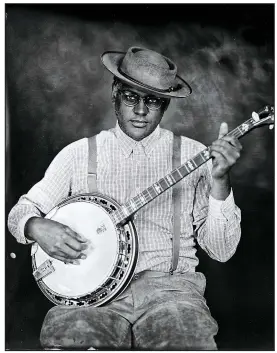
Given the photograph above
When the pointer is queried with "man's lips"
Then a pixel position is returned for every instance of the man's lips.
(139, 123)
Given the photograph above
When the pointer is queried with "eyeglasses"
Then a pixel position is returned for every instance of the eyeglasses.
(131, 99)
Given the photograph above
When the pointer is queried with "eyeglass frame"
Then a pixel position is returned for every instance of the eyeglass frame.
(142, 98)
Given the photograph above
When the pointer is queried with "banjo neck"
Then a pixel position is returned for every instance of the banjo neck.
(127, 210)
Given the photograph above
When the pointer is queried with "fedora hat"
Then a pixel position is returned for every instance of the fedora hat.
(147, 69)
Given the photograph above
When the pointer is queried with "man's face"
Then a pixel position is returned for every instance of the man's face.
(138, 121)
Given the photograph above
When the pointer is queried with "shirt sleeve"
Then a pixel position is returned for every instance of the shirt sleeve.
(44, 195)
(217, 223)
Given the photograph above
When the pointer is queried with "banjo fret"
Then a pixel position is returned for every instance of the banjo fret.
(168, 182)
(141, 199)
(172, 179)
(180, 174)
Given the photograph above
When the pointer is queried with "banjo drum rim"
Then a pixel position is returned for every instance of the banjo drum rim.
(128, 271)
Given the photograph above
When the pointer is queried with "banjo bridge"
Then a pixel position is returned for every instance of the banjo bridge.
(101, 228)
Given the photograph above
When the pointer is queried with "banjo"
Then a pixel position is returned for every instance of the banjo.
(113, 252)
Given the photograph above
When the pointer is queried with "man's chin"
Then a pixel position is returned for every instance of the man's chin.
(137, 136)
(138, 133)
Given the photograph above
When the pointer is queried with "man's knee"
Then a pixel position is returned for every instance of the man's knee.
(55, 327)
(176, 326)
(84, 328)
(47, 339)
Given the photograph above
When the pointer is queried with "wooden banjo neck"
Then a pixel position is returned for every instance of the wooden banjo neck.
(264, 117)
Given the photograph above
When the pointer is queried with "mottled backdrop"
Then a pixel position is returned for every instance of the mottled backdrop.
(58, 91)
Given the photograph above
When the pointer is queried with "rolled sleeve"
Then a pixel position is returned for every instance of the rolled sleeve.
(217, 223)
(223, 209)
(21, 227)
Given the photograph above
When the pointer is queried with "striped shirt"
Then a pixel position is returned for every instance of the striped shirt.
(125, 168)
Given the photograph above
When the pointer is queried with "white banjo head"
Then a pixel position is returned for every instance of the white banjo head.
(69, 281)
(74, 280)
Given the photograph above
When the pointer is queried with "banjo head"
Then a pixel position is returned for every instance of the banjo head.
(111, 254)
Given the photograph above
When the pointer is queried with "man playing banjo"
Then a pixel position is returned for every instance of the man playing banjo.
(163, 307)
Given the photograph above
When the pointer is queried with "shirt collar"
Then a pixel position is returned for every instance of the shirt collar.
(128, 144)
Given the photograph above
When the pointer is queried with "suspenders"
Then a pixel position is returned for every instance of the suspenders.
(92, 164)
(176, 203)
(176, 192)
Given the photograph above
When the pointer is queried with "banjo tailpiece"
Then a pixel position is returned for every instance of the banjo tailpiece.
(45, 269)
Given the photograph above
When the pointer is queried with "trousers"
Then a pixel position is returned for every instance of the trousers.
(157, 311)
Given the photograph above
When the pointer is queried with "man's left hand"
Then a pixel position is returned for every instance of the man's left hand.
(226, 151)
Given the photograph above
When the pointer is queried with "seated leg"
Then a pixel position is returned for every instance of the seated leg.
(83, 328)
(175, 326)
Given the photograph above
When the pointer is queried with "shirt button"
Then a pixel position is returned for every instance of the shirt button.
(136, 276)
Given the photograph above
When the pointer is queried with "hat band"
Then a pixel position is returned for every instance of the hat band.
(168, 90)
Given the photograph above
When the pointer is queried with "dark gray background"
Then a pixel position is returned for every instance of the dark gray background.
(58, 92)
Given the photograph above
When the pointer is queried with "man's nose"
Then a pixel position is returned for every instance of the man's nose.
(141, 108)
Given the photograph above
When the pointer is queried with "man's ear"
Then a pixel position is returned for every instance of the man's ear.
(115, 87)
(166, 104)
(114, 94)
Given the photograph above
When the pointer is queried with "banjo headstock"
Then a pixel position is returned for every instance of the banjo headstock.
(265, 116)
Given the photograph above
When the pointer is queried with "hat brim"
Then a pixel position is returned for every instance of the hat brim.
(112, 59)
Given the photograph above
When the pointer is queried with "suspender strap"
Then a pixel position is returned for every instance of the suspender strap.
(176, 201)
(92, 164)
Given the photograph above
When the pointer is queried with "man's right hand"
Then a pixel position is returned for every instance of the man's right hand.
(56, 239)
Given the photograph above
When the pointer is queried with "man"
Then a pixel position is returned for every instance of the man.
(161, 308)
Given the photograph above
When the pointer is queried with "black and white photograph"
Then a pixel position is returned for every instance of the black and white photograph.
(139, 176)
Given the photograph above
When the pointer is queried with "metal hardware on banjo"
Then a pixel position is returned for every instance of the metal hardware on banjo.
(113, 251)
